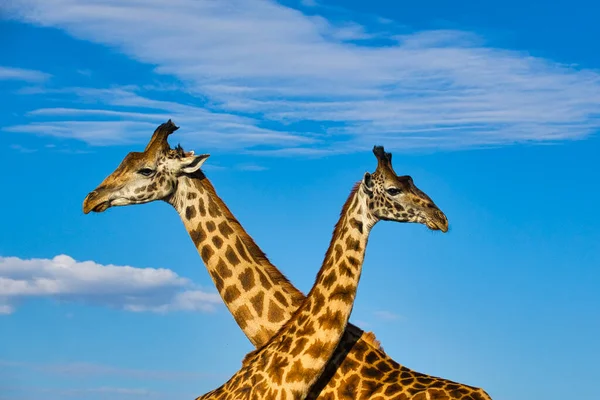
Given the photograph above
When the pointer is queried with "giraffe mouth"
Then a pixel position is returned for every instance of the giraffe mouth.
(101, 207)
(437, 221)
(437, 226)
(94, 202)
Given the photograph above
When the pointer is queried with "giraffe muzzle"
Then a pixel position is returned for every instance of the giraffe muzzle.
(94, 202)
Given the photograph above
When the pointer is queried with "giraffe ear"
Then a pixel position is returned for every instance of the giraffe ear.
(367, 182)
(193, 163)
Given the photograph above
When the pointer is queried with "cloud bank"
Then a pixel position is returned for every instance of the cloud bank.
(301, 81)
(123, 287)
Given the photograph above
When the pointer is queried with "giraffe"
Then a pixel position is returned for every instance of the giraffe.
(294, 358)
(259, 297)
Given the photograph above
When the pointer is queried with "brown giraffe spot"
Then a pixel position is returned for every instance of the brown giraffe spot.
(369, 388)
(407, 381)
(437, 384)
(353, 261)
(223, 270)
(201, 208)
(352, 244)
(370, 372)
(231, 256)
(206, 252)
(231, 293)
(281, 298)
(360, 348)
(298, 373)
(286, 344)
(338, 251)
(198, 236)
(424, 380)
(383, 366)
(264, 281)
(258, 303)
(247, 279)
(307, 329)
(191, 195)
(140, 189)
(328, 280)
(153, 186)
(190, 212)
(225, 229)
(318, 301)
(393, 376)
(277, 366)
(298, 346)
(348, 389)
(242, 315)
(371, 357)
(213, 209)
(343, 293)
(345, 270)
(219, 283)
(318, 348)
(331, 320)
(217, 241)
(393, 388)
(239, 246)
(210, 226)
(275, 312)
(348, 365)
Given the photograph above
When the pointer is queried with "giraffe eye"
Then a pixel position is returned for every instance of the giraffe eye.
(145, 171)
(393, 191)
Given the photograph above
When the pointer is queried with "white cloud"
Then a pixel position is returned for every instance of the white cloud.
(19, 74)
(251, 167)
(120, 125)
(424, 89)
(124, 287)
(387, 315)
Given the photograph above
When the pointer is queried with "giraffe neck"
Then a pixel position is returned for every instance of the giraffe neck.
(319, 323)
(260, 298)
(296, 356)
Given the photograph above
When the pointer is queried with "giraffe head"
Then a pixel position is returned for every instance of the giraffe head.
(396, 198)
(146, 176)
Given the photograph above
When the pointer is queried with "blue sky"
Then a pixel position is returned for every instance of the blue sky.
(493, 109)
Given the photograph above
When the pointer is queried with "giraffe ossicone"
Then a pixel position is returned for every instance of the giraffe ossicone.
(260, 298)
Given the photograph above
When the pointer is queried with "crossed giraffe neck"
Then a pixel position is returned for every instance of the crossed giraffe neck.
(294, 358)
(262, 300)
(258, 295)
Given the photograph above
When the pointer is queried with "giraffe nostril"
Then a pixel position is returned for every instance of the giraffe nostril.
(92, 194)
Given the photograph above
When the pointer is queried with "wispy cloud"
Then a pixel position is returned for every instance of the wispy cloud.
(123, 287)
(251, 167)
(387, 315)
(129, 117)
(19, 74)
(354, 83)
(22, 149)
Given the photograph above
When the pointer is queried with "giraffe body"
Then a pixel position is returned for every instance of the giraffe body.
(260, 298)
